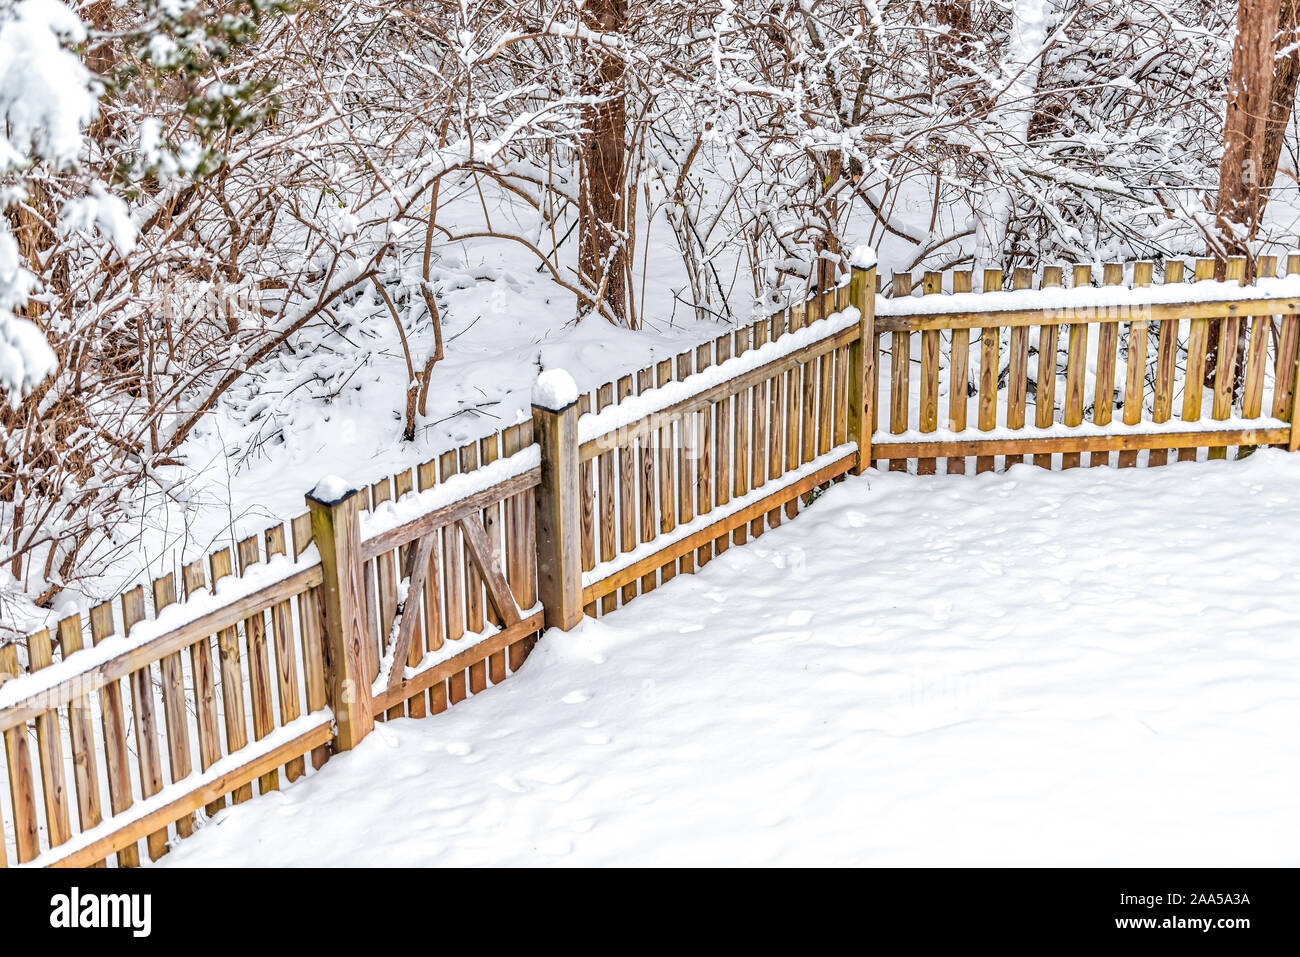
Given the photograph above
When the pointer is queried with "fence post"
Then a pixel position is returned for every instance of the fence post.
(559, 556)
(862, 354)
(336, 530)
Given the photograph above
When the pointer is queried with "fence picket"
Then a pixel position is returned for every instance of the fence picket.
(113, 719)
(311, 619)
(931, 284)
(1045, 384)
(85, 766)
(959, 376)
(990, 342)
(22, 791)
(900, 363)
(49, 748)
(1018, 367)
(205, 686)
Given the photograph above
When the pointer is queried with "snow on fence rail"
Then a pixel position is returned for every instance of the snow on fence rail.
(405, 597)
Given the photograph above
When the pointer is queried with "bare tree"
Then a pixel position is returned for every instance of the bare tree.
(602, 206)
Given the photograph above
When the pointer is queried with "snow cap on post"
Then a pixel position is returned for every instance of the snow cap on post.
(864, 257)
(332, 489)
(555, 390)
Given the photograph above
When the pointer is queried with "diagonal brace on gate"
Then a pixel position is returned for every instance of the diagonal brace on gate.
(483, 551)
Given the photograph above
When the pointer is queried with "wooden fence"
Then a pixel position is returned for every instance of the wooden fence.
(406, 597)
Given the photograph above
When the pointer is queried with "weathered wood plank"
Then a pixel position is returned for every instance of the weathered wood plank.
(959, 374)
(49, 748)
(85, 767)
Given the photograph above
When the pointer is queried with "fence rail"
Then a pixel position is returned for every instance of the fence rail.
(408, 596)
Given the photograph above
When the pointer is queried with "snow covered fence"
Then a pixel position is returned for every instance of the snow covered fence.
(406, 596)
(198, 676)
(1137, 352)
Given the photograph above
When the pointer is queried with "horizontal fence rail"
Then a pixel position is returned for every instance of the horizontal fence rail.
(407, 596)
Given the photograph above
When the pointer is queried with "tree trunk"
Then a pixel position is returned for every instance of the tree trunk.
(1286, 74)
(1244, 173)
(1250, 90)
(602, 213)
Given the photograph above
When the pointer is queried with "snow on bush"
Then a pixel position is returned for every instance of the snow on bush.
(45, 101)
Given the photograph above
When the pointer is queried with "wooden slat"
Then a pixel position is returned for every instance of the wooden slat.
(841, 386)
(900, 365)
(381, 588)
(453, 565)
(587, 502)
(1076, 367)
(519, 544)
(145, 721)
(311, 622)
(232, 680)
(49, 748)
(494, 528)
(1252, 397)
(627, 500)
(959, 375)
(808, 410)
(1103, 404)
(205, 685)
(1135, 370)
(758, 441)
(686, 426)
(931, 285)
(741, 424)
(1166, 366)
(647, 457)
(1045, 385)
(22, 790)
(825, 401)
(286, 661)
(113, 718)
(415, 645)
(1018, 367)
(460, 685)
(85, 766)
(1288, 346)
(793, 403)
(259, 665)
(776, 413)
(667, 468)
(990, 364)
(1197, 347)
(175, 712)
(1226, 366)
(722, 441)
(490, 519)
(703, 460)
(607, 517)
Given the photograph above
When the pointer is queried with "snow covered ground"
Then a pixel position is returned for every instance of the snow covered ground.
(1087, 667)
